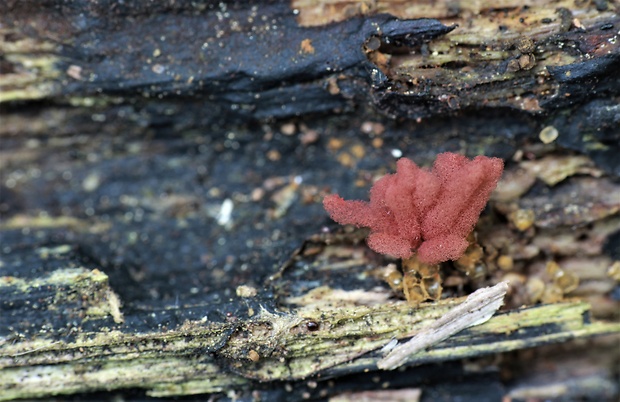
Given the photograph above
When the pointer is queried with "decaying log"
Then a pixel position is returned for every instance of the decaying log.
(202, 356)
(162, 167)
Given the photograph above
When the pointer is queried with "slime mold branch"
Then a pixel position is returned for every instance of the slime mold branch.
(425, 211)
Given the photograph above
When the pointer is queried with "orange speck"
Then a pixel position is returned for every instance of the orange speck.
(306, 46)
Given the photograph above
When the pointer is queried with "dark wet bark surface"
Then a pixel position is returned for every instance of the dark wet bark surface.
(183, 151)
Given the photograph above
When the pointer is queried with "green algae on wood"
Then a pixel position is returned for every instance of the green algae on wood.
(204, 357)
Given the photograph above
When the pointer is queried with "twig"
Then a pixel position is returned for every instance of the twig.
(478, 308)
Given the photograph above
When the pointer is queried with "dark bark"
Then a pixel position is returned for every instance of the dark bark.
(127, 130)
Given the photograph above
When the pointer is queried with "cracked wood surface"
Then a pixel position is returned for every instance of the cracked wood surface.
(155, 179)
(206, 357)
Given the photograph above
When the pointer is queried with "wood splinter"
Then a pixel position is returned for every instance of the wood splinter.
(478, 308)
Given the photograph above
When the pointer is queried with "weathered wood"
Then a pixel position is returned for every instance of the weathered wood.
(206, 357)
(180, 151)
(551, 63)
